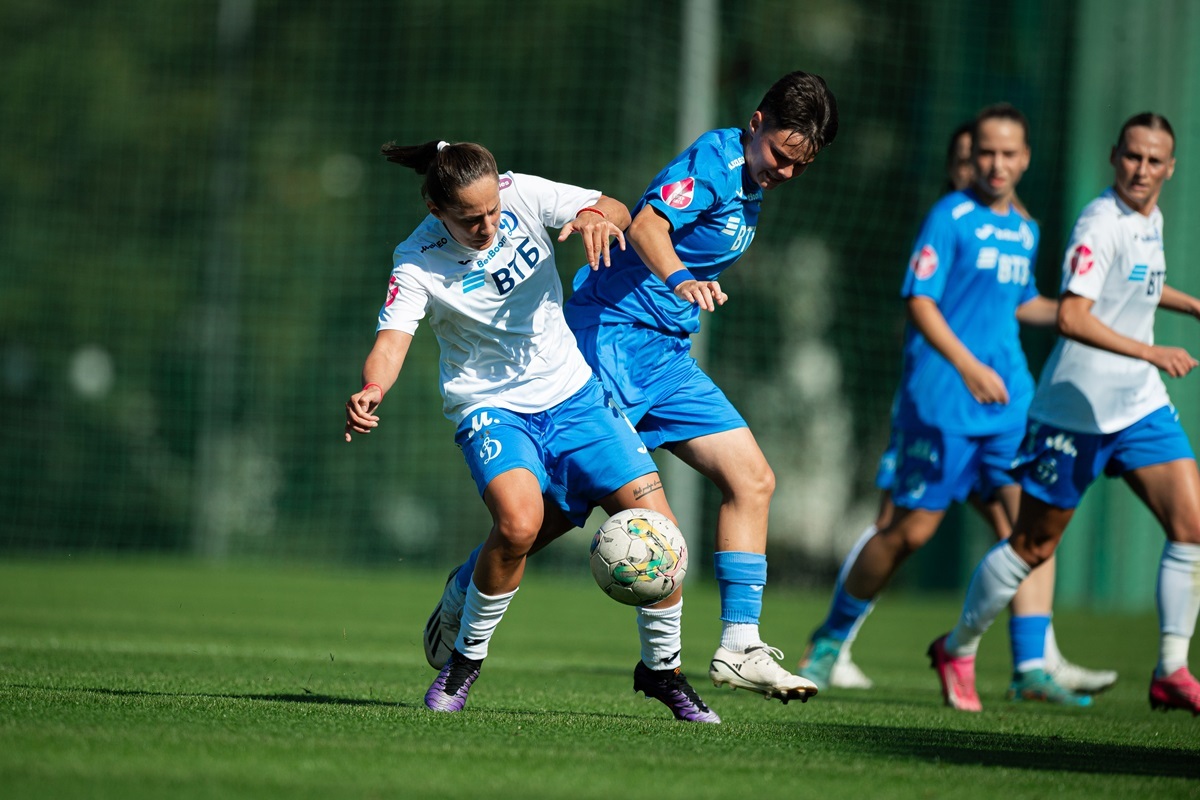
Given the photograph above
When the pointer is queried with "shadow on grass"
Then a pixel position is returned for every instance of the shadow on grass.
(1014, 750)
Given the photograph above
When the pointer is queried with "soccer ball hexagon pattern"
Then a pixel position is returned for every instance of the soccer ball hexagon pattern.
(638, 557)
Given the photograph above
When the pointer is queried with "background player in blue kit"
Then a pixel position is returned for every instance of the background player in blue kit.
(965, 386)
(633, 321)
(539, 435)
(1038, 595)
(1101, 406)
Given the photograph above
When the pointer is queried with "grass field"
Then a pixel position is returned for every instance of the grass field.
(160, 679)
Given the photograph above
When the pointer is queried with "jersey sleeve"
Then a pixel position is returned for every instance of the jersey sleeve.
(406, 302)
(1089, 257)
(555, 204)
(689, 185)
(932, 256)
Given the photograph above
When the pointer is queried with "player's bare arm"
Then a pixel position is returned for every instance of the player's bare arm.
(1076, 321)
(1180, 302)
(379, 373)
(1040, 312)
(597, 225)
(984, 384)
(650, 235)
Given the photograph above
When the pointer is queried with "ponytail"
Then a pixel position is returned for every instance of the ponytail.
(447, 168)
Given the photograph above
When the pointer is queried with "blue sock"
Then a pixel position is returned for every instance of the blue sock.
(844, 613)
(1028, 635)
(740, 580)
(463, 578)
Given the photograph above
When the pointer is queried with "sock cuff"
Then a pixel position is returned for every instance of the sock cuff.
(1013, 560)
(735, 566)
(662, 613)
(1179, 551)
(491, 597)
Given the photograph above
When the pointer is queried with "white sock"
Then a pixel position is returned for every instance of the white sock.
(737, 636)
(659, 630)
(1178, 604)
(481, 614)
(847, 565)
(1054, 656)
(991, 590)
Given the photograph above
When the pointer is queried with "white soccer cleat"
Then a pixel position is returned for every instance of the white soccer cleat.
(757, 669)
(847, 675)
(441, 631)
(1080, 679)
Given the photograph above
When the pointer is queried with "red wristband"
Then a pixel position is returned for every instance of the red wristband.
(376, 385)
(592, 210)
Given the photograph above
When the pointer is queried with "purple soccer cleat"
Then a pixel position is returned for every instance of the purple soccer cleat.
(671, 688)
(449, 690)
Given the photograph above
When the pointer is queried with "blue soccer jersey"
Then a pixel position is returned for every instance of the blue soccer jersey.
(977, 266)
(712, 206)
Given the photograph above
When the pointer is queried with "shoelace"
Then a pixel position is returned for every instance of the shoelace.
(458, 674)
(679, 683)
(773, 652)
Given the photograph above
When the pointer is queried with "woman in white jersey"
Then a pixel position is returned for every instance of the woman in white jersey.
(1101, 406)
(542, 441)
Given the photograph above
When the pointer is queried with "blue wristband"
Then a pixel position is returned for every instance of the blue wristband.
(677, 277)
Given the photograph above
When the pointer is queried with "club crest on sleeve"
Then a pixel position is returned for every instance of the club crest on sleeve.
(678, 194)
(1082, 260)
(393, 290)
(924, 262)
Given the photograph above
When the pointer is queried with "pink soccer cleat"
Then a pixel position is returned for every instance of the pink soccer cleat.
(1177, 690)
(957, 675)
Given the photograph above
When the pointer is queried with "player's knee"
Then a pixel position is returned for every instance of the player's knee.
(517, 531)
(753, 483)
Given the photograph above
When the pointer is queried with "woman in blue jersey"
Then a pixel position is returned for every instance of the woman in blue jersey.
(540, 437)
(1101, 406)
(633, 321)
(1036, 597)
(965, 386)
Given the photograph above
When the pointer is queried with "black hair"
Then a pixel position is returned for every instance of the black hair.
(802, 103)
(1005, 111)
(952, 149)
(448, 168)
(1147, 119)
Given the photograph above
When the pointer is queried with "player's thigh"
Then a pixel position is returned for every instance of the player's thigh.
(594, 452)
(731, 459)
(1172, 492)
(1039, 528)
(639, 493)
(514, 498)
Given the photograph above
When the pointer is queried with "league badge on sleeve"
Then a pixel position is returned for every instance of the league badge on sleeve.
(678, 194)
(1082, 260)
(924, 263)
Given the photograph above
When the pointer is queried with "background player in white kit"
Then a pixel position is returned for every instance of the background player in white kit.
(1101, 405)
(542, 441)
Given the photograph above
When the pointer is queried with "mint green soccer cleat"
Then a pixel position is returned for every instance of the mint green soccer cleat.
(819, 660)
(1038, 685)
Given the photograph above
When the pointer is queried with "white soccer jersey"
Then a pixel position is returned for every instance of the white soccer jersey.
(498, 313)
(1115, 258)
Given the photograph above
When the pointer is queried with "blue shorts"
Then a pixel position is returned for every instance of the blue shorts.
(1056, 466)
(935, 468)
(885, 474)
(656, 381)
(581, 450)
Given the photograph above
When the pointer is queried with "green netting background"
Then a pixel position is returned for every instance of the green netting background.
(197, 232)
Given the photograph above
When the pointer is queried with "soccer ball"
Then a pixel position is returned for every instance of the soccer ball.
(638, 557)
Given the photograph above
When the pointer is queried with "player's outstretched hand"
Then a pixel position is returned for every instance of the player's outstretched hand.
(1175, 361)
(360, 411)
(597, 233)
(985, 384)
(706, 294)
